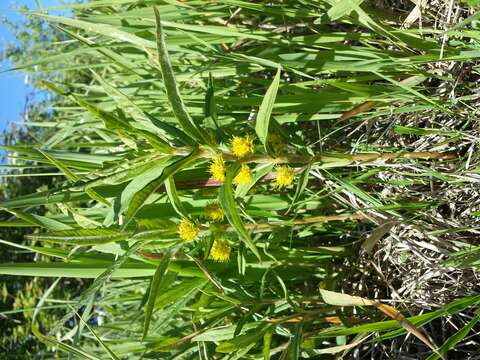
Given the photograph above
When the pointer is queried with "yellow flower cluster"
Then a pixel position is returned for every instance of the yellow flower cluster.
(214, 212)
(284, 176)
(242, 146)
(187, 230)
(244, 176)
(220, 250)
(217, 168)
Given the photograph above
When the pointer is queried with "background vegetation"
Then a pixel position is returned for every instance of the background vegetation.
(246, 180)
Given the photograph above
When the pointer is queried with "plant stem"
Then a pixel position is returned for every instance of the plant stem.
(311, 220)
(331, 159)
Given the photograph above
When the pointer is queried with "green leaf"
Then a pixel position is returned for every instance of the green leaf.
(418, 320)
(142, 126)
(39, 220)
(174, 198)
(122, 127)
(60, 253)
(140, 197)
(230, 208)
(456, 337)
(109, 351)
(61, 345)
(16, 223)
(210, 108)
(176, 292)
(73, 177)
(83, 237)
(265, 111)
(142, 179)
(409, 89)
(294, 349)
(91, 267)
(301, 186)
(222, 333)
(259, 172)
(102, 29)
(98, 283)
(154, 287)
(242, 341)
(342, 8)
(267, 341)
(173, 94)
(68, 173)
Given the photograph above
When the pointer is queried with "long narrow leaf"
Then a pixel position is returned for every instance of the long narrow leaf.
(265, 111)
(154, 287)
(230, 208)
(173, 94)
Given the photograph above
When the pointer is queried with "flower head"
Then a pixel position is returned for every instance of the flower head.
(244, 176)
(276, 142)
(242, 146)
(214, 212)
(187, 230)
(284, 176)
(217, 168)
(220, 250)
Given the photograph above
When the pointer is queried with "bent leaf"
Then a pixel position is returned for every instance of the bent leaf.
(173, 94)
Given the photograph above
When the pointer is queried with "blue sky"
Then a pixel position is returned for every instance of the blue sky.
(12, 84)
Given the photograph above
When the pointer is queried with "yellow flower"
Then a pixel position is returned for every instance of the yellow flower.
(187, 230)
(217, 168)
(220, 250)
(244, 176)
(284, 176)
(242, 146)
(214, 212)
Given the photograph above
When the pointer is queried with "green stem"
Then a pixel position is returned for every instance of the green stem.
(266, 226)
(330, 159)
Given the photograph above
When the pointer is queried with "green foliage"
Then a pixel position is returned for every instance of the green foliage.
(148, 94)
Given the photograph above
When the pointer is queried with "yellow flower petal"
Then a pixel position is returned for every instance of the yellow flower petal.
(214, 212)
(244, 176)
(220, 250)
(284, 176)
(217, 168)
(187, 230)
(242, 146)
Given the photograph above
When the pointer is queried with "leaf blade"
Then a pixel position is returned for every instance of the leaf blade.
(173, 93)
(265, 110)
(227, 202)
(154, 287)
